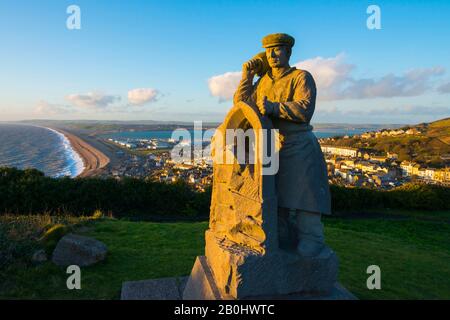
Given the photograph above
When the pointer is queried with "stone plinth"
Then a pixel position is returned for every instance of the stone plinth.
(201, 285)
(154, 289)
(241, 272)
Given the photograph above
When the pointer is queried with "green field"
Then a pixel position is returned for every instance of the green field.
(412, 252)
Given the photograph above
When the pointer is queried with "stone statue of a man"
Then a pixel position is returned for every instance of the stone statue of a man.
(288, 96)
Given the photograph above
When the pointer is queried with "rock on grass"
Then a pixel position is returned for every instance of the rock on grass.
(78, 250)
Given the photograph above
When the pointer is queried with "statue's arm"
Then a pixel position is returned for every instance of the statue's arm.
(246, 91)
(301, 109)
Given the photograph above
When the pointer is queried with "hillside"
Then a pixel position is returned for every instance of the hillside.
(411, 252)
(426, 143)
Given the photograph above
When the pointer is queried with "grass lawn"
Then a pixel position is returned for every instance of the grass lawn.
(413, 254)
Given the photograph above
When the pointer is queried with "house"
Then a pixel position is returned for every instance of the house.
(353, 177)
(366, 166)
(406, 167)
(393, 156)
(367, 135)
(342, 173)
(340, 151)
(421, 172)
(349, 163)
(183, 166)
(415, 169)
(378, 158)
(429, 173)
(381, 178)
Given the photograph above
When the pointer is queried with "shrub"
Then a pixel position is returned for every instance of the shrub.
(412, 196)
(98, 214)
(55, 233)
(19, 235)
(30, 192)
(51, 237)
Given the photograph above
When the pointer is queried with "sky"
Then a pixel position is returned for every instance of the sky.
(181, 60)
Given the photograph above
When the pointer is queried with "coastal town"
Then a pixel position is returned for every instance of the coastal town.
(354, 167)
(151, 159)
(347, 166)
(366, 167)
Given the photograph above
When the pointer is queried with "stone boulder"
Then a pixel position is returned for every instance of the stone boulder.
(39, 256)
(78, 250)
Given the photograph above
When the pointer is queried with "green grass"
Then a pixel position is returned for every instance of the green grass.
(413, 254)
(391, 214)
(137, 251)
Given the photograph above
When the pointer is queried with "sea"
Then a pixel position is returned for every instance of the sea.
(27, 146)
(196, 134)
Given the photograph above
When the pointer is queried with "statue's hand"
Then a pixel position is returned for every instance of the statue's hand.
(249, 68)
(265, 106)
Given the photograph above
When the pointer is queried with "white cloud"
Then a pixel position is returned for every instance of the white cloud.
(142, 96)
(223, 86)
(329, 73)
(412, 83)
(390, 114)
(335, 81)
(92, 100)
(445, 88)
(45, 108)
(410, 110)
(402, 110)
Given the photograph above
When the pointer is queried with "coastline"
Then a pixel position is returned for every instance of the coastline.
(93, 159)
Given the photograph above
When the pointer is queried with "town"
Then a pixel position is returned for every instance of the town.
(347, 166)
(354, 167)
(365, 167)
(151, 159)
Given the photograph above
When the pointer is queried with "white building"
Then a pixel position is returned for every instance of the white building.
(339, 151)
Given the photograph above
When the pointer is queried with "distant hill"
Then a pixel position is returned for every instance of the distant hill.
(439, 129)
(428, 145)
(105, 126)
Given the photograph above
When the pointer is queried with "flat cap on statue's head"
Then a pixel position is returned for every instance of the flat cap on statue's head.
(278, 39)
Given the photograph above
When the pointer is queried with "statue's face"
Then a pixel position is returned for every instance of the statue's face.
(277, 56)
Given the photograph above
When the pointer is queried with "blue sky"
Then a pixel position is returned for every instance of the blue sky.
(180, 60)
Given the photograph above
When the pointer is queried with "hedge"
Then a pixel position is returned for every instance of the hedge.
(30, 192)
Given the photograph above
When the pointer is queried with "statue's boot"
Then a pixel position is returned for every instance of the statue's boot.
(310, 233)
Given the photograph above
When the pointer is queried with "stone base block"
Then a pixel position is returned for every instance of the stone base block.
(201, 285)
(154, 289)
(241, 273)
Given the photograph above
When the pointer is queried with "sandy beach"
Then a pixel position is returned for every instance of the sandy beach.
(93, 159)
